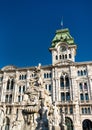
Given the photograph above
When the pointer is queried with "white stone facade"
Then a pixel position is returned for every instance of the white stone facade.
(68, 82)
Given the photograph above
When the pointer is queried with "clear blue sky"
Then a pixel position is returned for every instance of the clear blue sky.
(27, 28)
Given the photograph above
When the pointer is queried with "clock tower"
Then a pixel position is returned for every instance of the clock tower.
(63, 48)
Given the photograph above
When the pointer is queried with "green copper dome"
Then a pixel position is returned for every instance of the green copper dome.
(62, 35)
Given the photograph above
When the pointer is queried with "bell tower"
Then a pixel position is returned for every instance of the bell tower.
(63, 47)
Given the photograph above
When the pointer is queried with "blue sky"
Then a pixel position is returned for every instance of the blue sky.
(27, 28)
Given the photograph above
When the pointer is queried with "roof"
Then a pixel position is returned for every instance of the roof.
(63, 35)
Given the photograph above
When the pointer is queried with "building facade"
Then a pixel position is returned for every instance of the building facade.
(68, 83)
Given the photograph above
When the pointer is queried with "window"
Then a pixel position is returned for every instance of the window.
(60, 57)
(1, 78)
(86, 97)
(47, 75)
(62, 82)
(86, 110)
(89, 110)
(79, 73)
(82, 72)
(85, 85)
(12, 84)
(62, 97)
(67, 82)
(49, 87)
(23, 88)
(67, 96)
(44, 75)
(69, 55)
(10, 98)
(65, 56)
(19, 98)
(6, 98)
(8, 84)
(71, 110)
(81, 97)
(46, 86)
(82, 110)
(19, 89)
(80, 85)
(85, 72)
(66, 110)
(22, 77)
(50, 75)
(56, 57)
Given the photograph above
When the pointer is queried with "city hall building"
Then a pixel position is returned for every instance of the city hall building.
(65, 82)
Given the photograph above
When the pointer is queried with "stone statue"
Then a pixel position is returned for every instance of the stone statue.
(56, 117)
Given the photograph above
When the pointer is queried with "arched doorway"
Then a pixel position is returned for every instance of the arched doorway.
(68, 123)
(87, 125)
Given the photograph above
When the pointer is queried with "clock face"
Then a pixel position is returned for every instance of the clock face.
(62, 48)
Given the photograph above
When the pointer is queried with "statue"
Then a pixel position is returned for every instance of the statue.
(56, 117)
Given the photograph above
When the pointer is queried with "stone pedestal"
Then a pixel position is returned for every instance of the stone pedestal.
(55, 127)
(63, 127)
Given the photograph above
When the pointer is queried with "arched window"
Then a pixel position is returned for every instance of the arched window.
(50, 75)
(19, 89)
(66, 110)
(20, 77)
(12, 84)
(80, 85)
(19, 98)
(56, 57)
(89, 110)
(71, 110)
(81, 73)
(23, 88)
(50, 87)
(44, 75)
(62, 96)
(85, 110)
(85, 72)
(67, 96)
(81, 97)
(10, 98)
(69, 55)
(82, 110)
(62, 82)
(60, 57)
(16, 114)
(86, 97)
(67, 81)
(85, 85)
(25, 76)
(65, 56)
(8, 84)
(6, 98)
(47, 75)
